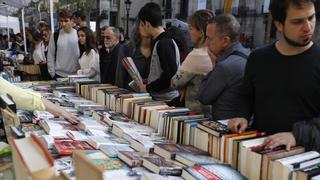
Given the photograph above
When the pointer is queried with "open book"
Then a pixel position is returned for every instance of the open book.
(133, 72)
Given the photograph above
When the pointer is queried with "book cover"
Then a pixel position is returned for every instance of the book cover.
(169, 150)
(133, 158)
(104, 162)
(190, 159)
(214, 127)
(66, 147)
(214, 171)
(113, 150)
(162, 166)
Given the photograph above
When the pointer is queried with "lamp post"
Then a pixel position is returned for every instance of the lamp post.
(128, 4)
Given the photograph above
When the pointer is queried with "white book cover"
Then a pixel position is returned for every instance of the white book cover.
(298, 158)
(97, 141)
(77, 135)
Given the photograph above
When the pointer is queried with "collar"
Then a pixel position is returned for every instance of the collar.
(227, 52)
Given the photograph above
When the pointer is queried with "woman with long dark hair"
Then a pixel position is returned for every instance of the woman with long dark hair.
(89, 60)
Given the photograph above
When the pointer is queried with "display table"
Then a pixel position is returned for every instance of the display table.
(29, 72)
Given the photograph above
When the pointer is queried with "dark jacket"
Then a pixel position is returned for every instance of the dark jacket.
(307, 134)
(108, 64)
(221, 86)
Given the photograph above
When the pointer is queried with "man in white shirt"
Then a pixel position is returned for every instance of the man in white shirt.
(63, 50)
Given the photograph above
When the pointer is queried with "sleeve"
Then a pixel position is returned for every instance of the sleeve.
(181, 79)
(51, 56)
(213, 85)
(122, 75)
(167, 56)
(246, 93)
(24, 99)
(307, 134)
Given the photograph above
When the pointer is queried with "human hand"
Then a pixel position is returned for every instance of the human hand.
(182, 93)
(79, 72)
(142, 88)
(284, 138)
(213, 58)
(238, 125)
(70, 117)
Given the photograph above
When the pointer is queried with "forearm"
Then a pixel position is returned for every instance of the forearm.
(52, 108)
(181, 79)
(91, 72)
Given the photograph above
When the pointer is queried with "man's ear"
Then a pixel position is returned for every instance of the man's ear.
(226, 41)
(278, 25)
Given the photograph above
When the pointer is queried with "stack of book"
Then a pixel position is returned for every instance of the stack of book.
(155, 141)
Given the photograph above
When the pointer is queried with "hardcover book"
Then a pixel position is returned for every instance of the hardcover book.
(66, 147)
(162, 166)
(169, 150)
(190, 159)
(212, 171)
(135, 159)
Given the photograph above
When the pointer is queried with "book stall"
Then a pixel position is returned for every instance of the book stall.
(127, 135)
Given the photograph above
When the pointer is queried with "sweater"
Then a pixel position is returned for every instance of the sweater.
(65, 62)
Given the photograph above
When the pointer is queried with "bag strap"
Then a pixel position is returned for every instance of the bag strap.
(55, 37)
(238, 53)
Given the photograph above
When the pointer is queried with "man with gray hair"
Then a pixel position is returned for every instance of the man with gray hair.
(109, 54)
(221, 85)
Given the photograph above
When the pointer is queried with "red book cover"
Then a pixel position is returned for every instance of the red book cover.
(66, 147)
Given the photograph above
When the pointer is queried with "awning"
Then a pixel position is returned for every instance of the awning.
(8, 7)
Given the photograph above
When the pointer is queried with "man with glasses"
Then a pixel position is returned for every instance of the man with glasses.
(109, 54)
(63, 50)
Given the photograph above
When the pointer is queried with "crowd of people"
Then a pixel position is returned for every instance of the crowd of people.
(274, 89)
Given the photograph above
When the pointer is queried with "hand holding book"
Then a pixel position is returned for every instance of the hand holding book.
(137, 83)
(238, 125)
(284, 138)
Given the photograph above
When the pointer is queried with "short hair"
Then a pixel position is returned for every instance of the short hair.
(115, 31)
(278, 8)
(151, 12)
(64, 13)
(80, 14)
(227, 25)
(199, 20)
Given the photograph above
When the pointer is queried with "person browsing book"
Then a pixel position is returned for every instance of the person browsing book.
(165, 57)
(29, 100)
(281, 88)
(139, 49)
(89, 60)
(197, 63)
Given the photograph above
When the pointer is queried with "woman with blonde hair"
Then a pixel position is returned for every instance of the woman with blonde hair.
(196, 65)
